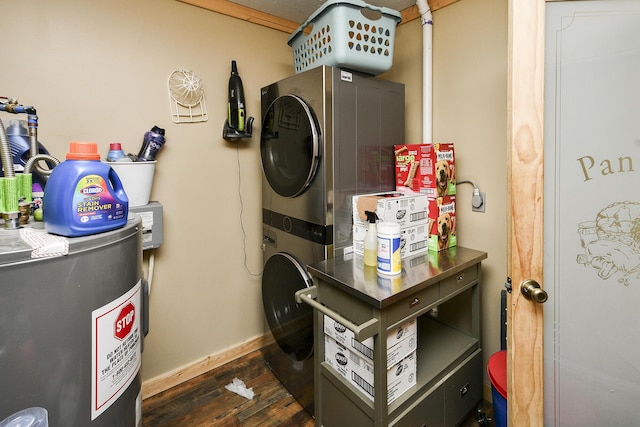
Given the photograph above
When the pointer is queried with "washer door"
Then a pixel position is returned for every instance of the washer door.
(291, 323)
(289, 145)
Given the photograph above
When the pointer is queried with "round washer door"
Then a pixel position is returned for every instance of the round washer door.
(291, 323)
(289, 145)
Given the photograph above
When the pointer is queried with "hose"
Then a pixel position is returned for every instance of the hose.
(5, 153)
(32, 122)
(38, 157)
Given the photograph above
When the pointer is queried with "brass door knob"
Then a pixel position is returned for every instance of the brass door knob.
(533, 292)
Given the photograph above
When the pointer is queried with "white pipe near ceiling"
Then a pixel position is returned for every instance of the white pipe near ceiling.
(427, 71)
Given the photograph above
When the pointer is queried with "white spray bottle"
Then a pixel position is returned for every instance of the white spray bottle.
(371, 241)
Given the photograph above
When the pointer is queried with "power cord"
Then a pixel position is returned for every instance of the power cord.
(477, 199)
(244, 234)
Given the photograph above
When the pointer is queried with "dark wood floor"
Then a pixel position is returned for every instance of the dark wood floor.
(204, 402)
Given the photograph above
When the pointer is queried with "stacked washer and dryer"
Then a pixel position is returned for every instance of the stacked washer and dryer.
(327, 134)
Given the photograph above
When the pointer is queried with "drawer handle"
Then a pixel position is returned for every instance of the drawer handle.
(414, 302)
(464, 390)
(361, 332)
(461, 278)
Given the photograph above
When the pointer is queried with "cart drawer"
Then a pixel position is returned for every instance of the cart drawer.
(463, 389)
(405, 308)
(458, 281)
(428, 412)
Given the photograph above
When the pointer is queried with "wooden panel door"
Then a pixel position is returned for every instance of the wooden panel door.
(525, 218)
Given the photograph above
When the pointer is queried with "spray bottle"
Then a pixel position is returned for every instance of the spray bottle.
(236, 100)
(371, 241)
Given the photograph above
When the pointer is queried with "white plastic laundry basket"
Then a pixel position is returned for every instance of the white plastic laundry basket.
(348, 34)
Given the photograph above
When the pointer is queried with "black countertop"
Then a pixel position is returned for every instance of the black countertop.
(349, 274)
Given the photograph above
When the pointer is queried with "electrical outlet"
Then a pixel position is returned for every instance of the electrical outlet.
(478, 205)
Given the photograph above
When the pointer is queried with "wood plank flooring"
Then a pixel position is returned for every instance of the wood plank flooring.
(204, 402)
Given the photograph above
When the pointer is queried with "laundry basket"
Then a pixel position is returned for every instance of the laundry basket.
(348, 34)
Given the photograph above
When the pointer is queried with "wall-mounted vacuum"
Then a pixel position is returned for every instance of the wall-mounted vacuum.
(237, 126)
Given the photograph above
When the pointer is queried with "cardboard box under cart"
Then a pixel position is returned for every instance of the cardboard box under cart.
(400, 341)
(353, 359)
(359, 370)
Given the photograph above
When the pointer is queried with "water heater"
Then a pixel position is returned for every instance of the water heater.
(73, 315)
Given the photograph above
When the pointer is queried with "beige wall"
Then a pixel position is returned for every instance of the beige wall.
(470, 96)
(97, 71)
(469, 109)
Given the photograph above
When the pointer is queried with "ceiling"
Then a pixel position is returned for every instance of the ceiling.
(299, 10)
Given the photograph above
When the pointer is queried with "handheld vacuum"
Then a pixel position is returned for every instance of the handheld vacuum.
(236, 126)
(236, 99)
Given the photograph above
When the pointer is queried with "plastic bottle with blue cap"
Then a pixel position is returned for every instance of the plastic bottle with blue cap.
(116, 153)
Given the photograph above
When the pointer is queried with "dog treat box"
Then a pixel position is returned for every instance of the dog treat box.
(442, 223)
(426, 169)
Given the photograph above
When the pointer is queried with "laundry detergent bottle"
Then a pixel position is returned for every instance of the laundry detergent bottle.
(83, 195)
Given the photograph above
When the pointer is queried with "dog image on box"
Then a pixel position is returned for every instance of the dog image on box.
(445, 229)
(444, 172)
(445, 169)
(442, 223)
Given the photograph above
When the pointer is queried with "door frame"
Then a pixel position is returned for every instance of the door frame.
(525, 251)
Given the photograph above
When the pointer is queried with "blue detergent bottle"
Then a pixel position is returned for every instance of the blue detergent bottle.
(84, 196)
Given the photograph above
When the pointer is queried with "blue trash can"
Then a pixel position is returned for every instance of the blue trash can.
(497, 372)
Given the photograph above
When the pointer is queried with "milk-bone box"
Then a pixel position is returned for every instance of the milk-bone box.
(426, 169)
(442, 223)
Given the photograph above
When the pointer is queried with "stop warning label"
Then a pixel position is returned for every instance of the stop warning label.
(116, 348)
(124, 322)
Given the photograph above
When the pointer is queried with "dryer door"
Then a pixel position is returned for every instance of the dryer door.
(291, 323)
(289, 145)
